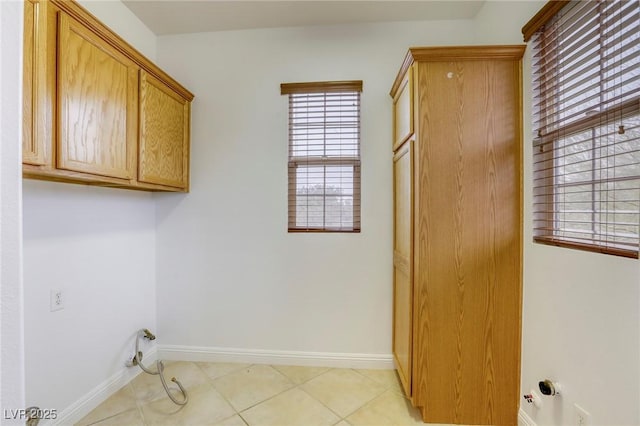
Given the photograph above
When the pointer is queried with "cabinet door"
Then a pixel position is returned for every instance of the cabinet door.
(163, 157)
(36, 143)
(97, 101)
(403, 263)
(403, 111)
(469, 242)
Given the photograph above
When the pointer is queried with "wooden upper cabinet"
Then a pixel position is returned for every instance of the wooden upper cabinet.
(96, 111)
(403, 111)
(163, 157)
(97, 93)
(34, 146)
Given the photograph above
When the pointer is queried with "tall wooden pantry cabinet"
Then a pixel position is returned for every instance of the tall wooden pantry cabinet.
(458, 232)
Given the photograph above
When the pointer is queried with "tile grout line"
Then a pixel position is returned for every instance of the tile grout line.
(269, 398)
(239, 412)
(385, 385)
(295, 386)
(110, 417)
(324, 405)
(299, 386)
(138, 401)
(211, 380)
(386, 388)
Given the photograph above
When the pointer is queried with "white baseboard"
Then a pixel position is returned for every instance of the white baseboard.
(524, 419)
(260, 356)
(76, 411)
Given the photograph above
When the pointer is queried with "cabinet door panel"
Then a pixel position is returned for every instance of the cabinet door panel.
(403, 111)
(35, 139)
(97, 89)
(470, 243)
(403, 263)
(164, 133)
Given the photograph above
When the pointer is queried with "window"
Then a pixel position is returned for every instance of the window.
(324, 156)
(586, 78)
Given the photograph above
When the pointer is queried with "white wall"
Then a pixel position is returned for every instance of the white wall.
(98, 246)
(12, 392)
(115, 15)
(229, 274)
(581, 323)
(244, 282)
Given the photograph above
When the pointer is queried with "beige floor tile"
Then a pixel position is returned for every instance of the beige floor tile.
(291, 408)
(390, 408)
(388, 378)
(205, 407)
(128, 418)
(342, 390)
(218, 369)
(298, 374)
(252, 385)
(121, 401)
(343, 423)
(148, 387)
(187, 373)
(232, 421)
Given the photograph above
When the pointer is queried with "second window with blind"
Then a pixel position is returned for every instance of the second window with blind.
(324, 156)
(586, 78)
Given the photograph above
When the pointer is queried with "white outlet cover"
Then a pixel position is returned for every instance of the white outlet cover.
(582, 416)
(537, 400)
(56, 300)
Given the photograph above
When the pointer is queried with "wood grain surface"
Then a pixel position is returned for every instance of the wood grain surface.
(35, 149)
(403, 111)
(29, 147)
(164, 129)
(97, 91)
(467, 239)
(403, 263)
(73, 9)
(468, 279)
(72, 72)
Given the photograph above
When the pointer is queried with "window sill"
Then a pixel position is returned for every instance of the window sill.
(633, 254)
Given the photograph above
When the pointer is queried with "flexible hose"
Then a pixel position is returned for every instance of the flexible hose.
(160, 367)
(139, 359)
(160, 371)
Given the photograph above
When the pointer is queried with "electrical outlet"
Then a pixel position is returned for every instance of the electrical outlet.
(536, 400)
(56, 301)
(582, 417)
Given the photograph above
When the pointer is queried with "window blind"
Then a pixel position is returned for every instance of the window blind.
(324, 156)
(586, 82)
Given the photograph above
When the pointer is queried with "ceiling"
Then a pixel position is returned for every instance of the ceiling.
(185, 16)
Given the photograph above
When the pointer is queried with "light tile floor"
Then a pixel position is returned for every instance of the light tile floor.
(260, 395)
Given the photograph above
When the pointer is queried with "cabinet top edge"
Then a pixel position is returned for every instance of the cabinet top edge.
(456, 53)
(75, 10)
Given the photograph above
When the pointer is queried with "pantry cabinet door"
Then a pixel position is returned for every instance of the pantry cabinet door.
(403, 264)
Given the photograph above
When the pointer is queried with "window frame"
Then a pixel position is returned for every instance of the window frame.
(553, 234)
(296, 161)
